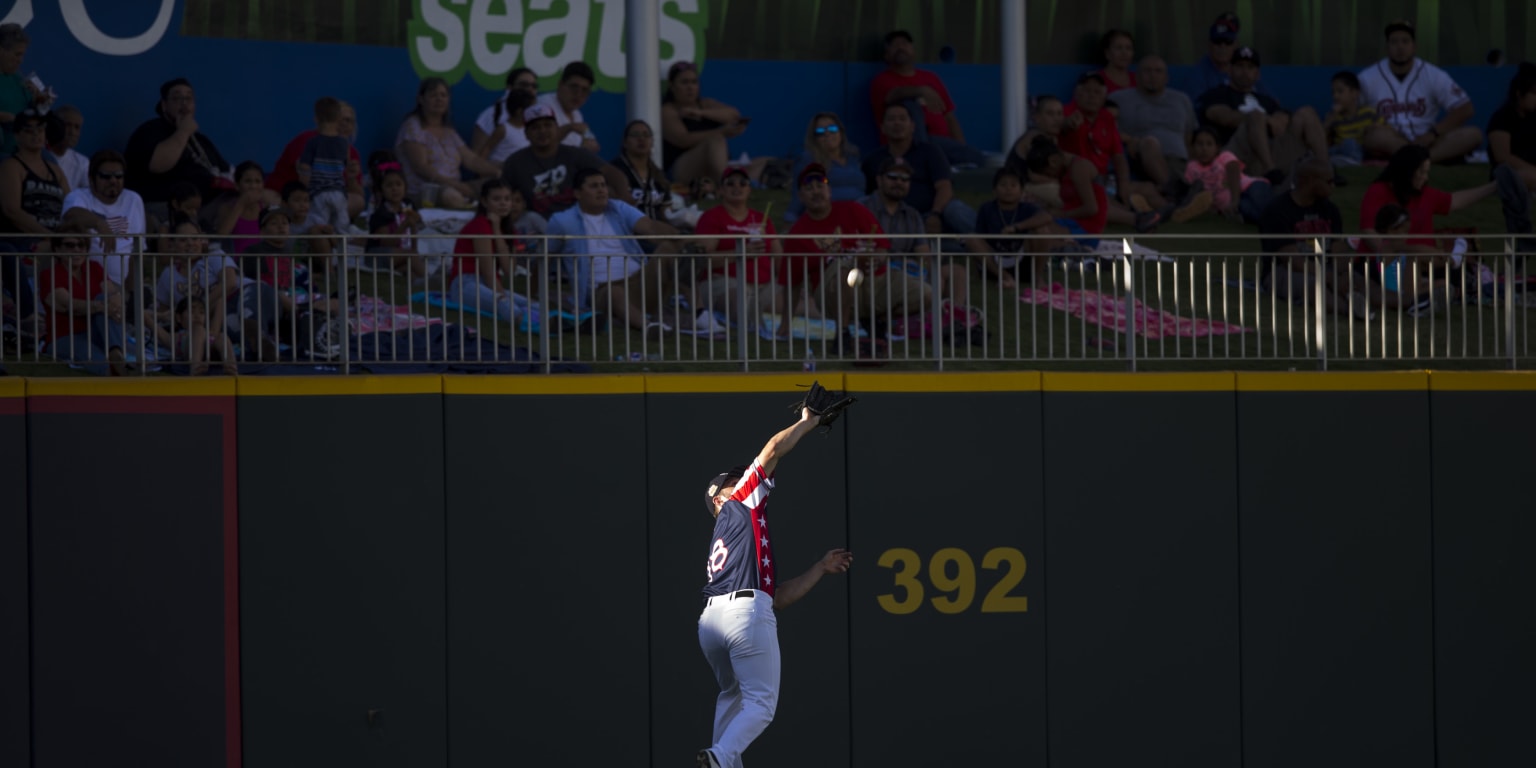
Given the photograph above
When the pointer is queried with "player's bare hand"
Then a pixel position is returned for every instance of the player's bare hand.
(836, 561)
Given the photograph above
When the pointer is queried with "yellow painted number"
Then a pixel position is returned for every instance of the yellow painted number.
(906, 579)
(998, 600)
(952, 573)
(962, 585)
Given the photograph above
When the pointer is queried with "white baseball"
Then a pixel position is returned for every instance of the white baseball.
(855, 277)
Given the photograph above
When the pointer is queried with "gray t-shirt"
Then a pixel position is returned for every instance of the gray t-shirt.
(905, 221)
(546, 182)
(1168, 117)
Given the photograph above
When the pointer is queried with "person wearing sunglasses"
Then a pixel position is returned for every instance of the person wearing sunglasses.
(107, 207)
(86, 322)
(827, 144)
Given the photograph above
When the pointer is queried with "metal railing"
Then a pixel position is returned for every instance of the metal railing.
(1128, 304)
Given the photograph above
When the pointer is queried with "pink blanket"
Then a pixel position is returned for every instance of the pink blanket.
(1109, 312)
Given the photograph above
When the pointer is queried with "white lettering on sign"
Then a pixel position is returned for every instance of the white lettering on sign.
(486, 39)
(80, 25)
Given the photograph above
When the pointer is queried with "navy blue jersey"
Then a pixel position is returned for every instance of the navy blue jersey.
(740, 556)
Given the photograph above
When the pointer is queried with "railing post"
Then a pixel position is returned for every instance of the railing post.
(544, 310)
(346, 306)
(1509, 303)
(1130, 303)
(1318, 305)
(741, 306)
(934, 312)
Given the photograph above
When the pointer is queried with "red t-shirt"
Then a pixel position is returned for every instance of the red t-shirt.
(87, 286)
(717, 221)
(888, 81)
(465, 261)
(1422, 209)
(848, 220)
(1111, 86)
(1070, 200)
(1097, 140)
(287, 168)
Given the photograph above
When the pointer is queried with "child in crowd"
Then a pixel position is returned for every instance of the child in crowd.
(1234, 194)
(525, 223)
(397, 220)
(272, 261)
(296, 201)
(194, 339)
(322, 167)
(1347, 123)
(1008, 213)
(376, 162)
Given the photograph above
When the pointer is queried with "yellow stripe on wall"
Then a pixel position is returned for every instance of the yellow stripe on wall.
(690, 383)
(1319, 381)
(152, 386)
(310, 386)
(12, 387)
(1479, 381)
(1216, 381)
(999, 381)
(544, 385)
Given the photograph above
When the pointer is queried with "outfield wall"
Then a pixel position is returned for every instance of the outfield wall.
(1052, 569)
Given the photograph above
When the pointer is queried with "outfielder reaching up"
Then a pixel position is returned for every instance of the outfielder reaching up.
(738, 630)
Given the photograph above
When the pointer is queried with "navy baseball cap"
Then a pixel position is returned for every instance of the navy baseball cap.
(720, 481)
(1224, 29)
(1246, 54)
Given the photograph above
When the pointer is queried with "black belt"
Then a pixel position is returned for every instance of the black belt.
(749, 593)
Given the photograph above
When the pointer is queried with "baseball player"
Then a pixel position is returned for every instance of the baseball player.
(737, 630)
(1409, 94)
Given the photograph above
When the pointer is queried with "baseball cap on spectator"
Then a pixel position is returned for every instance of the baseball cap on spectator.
(732, 170)
(1224, 29)
(1247, 54)
(538, 112)
(27, 117)
(814, 173)
(1401, 25)
(897, 164)
(720, 481)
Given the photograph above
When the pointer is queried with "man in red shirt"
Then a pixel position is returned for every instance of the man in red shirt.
(923, 94)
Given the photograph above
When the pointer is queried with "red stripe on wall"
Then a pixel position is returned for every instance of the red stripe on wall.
(223, 407)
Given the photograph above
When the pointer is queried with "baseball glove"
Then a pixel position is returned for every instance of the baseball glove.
(824, 404)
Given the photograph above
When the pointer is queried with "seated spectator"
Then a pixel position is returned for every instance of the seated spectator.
(1007, 213)
(296, 201)
(1512, 129)
(1049, 119)
(925, 99)
(32, 188)
(253, 311)
(931, 193)
(1082, 199)
(105, 207)
(840, 227)
(1215, 67)
(1252, 125)
(499, 129)
(1405, 182)
(912, 256)
(434, 153)
(695, 130)
(544, 170)
(196, 343)
(1119, 50)
(168, 148)
(649, 189)
(1294, 222)
(602, 229)
(1235, 194)
(239, 216)
(63, 134)
(184, 248)
(480, 272)
(395, 223)
(286, 170)
(182, 201)
(827, 145)
(1348, 121)
(576, 81)
(1156, 124)
(86, 325)
(272, 261)
(323, 167)
(1418, 102)
(1090, 132)
(1407, 280)
(17, 93)
(732, 220)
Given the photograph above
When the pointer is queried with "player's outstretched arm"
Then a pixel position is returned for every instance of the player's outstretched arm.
(835, 561)
(782, 443)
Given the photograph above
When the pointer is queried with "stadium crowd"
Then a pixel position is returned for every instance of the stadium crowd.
(1126, 148)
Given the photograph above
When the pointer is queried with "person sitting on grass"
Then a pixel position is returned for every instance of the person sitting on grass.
(196, 342)
(395, 222)
(732, 219)
(1235, 194)
(913, 255)
(1007, 213)
(296, 201)
(1349, 120)
(86, 324)
(1407, 281)
(1405, 181)
(481, 268)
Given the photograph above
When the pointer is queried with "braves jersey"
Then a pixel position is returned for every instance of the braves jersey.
(740, 555)
(1413, 103)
